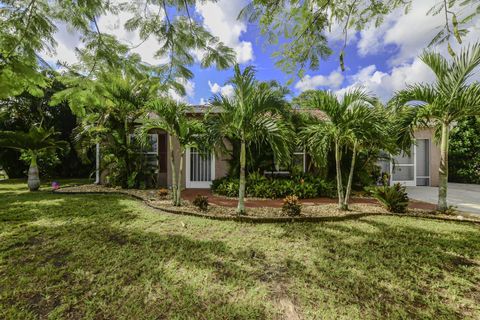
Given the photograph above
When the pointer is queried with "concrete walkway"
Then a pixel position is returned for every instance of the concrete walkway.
(465, 197)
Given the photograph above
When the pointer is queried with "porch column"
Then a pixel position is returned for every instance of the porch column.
(97, 164)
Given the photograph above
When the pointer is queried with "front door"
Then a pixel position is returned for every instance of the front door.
(200, 167)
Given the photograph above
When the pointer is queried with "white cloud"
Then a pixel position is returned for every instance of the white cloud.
(226, 90)
(220, 18)
(189, 91)
(113, 24)
(334, 80)
(410, 33)
(67, 41)
(383, 84)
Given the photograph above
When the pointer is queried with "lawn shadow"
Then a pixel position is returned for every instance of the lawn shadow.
(401, 269)
(76, 256)
(67, 257)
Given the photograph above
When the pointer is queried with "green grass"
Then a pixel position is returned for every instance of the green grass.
(111, 257)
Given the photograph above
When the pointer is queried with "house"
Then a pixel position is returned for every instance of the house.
(200, 168)
(421, 167)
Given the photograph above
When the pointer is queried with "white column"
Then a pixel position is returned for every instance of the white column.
(97, 164)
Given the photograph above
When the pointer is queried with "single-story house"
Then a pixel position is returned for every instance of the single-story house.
(200, 169)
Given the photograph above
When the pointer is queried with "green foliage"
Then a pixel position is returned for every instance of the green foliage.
(258, 186)
(393, 198)
(65, 247)
(27, 27)
(464, 160)
(255, 114)
(291, 206)
(302, 26)
(356, 122)
(23, 111)
(201, 202)
(452, 98)
(172, 117)
(36, 140)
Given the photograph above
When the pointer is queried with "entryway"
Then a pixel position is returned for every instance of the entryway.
(200, 167)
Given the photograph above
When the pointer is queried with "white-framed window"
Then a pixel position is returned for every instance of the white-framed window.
(299, 161)
(150, 150)
(151, 147)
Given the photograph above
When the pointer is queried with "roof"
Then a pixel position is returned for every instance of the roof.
(320, 115)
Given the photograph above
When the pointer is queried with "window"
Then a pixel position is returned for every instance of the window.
(150, 150)
(299, 160)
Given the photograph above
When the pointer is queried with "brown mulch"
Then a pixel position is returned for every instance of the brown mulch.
(190, 194)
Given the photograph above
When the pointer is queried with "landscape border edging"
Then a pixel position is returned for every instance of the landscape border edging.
(251, 219)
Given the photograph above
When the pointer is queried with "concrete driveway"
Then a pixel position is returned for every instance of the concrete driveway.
(466, 197)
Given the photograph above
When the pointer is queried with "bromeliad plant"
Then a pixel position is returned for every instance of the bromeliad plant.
(450, 99)
(252, 115)
(33, 144)
(171, 117)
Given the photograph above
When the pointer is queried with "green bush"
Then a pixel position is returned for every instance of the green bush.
(201, 202)
(259, 186)
(394, 198)
(291, 206)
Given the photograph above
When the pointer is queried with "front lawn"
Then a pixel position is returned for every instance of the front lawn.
(111, 257)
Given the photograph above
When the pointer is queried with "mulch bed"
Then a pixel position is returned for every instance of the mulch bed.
(263, 210)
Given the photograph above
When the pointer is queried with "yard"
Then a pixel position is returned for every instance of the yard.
(111, 257)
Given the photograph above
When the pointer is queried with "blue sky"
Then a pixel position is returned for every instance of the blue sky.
(381, 60)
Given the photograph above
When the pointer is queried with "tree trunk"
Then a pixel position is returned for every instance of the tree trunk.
(179, 181)
(174, 171)
(33, 175)
(350, 177)
(241, 190)
(339, 177)
(443, 171)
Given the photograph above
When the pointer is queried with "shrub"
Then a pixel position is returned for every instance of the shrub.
(162, 192)
(201, 202)
(291, 206)
(394, 198)
(258, 186)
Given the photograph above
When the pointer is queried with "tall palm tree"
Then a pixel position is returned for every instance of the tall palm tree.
(252, 115)
(171, 117)
(352, 121)
(450, 99)
(33, 143)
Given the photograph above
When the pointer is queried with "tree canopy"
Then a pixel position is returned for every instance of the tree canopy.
(303, 25)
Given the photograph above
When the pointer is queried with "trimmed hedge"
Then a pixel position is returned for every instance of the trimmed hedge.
(258, 186)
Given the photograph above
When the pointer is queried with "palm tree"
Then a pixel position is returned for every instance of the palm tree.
(450, 99)
(252, 115)
(352, 121)
(33, 143)
(108, 109)
(171, 117)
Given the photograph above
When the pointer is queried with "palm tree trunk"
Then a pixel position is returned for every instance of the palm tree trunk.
(241, 190)
(33, 175)
(179, 181)
(350, 177)
(339, 177)
(173, 168)
(443, 171)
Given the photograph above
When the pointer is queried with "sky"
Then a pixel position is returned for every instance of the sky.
(381, 60)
